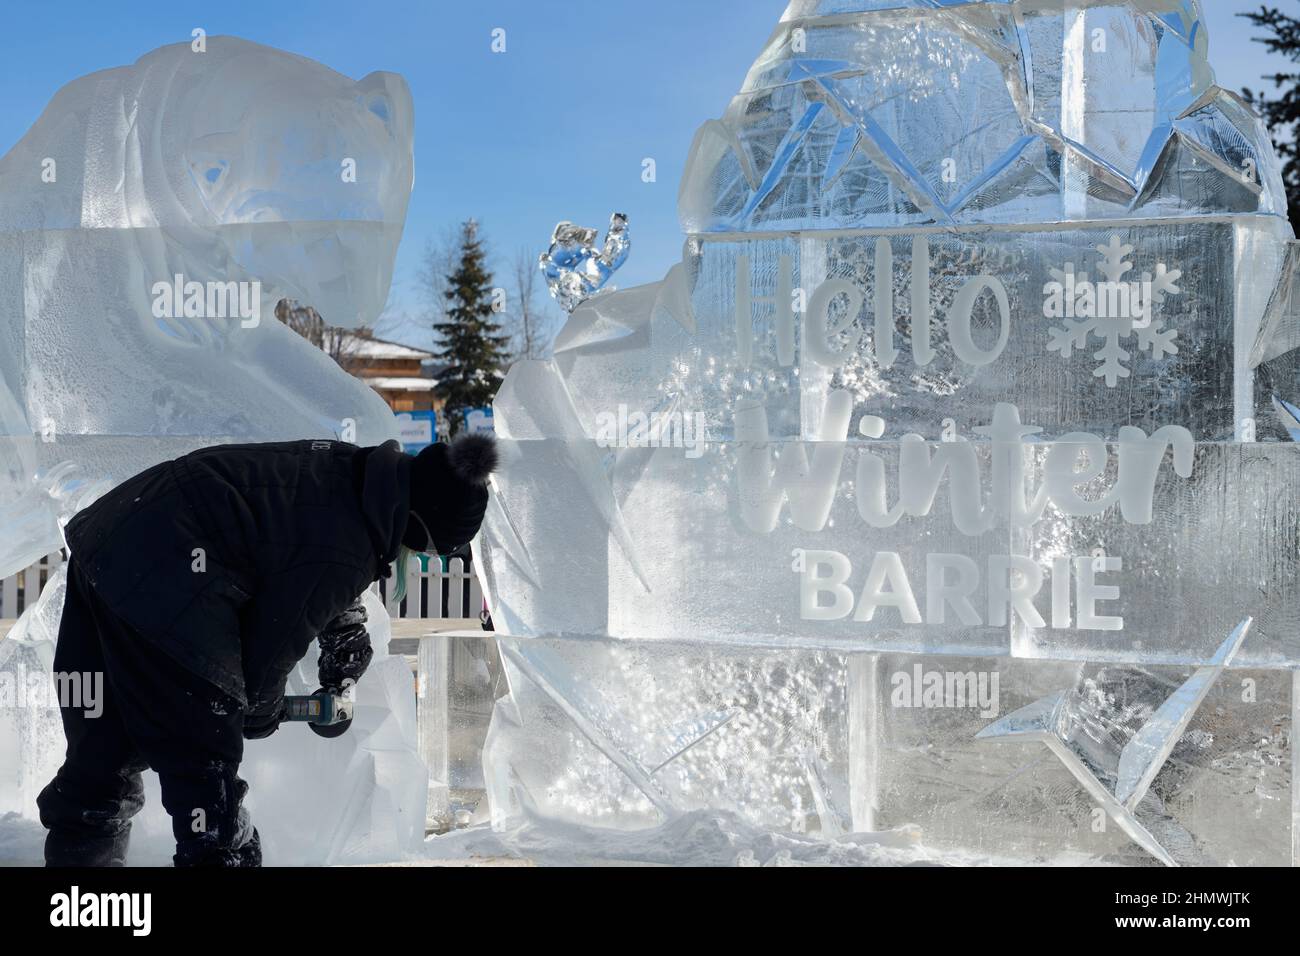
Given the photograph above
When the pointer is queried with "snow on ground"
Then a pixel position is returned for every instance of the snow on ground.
(699, 838)
(21, 841)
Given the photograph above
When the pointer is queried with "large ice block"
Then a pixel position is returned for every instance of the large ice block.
(149, 222)
(622, 735)
(1000, 317)
(664, 545)
(901, 114)
(980, 362)
(157, 213)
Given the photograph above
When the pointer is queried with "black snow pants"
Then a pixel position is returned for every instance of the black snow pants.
(155, 715)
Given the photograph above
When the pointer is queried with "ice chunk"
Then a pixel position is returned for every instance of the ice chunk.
(575, 269)
(459, 679)
(359, 798)
(31, 732)
(865, 113)
(140, 278)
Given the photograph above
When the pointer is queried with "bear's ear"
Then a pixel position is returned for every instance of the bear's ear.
(387, 96)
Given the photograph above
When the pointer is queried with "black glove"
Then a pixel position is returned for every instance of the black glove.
(345, 650)
(264, 721)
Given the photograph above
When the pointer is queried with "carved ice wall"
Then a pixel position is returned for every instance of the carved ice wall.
(938, 482)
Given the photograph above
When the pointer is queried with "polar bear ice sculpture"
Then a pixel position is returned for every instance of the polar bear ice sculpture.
(238, 164)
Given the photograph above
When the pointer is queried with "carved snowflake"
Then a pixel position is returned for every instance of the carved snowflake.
(1149, 330)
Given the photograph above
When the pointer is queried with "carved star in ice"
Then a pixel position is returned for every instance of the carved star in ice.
(1050, 721)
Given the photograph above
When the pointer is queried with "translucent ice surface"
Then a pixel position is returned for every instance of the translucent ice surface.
(892, 113)
(149, 222)
(623, 735)
(31, 733)
(359, 798)
(932, 483)
(234, 177)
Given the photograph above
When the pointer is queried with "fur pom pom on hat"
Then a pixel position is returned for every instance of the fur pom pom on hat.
(473, 457)
(449, 493)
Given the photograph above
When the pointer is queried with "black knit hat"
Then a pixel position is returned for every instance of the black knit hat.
(449, 493)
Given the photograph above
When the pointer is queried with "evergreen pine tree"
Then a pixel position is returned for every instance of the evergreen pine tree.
(473, 345)
(1281, 113)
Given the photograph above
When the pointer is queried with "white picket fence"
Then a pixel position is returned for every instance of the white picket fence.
(20, 591)
(434, 593)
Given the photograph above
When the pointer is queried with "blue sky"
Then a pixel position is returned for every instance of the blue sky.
(555, 128)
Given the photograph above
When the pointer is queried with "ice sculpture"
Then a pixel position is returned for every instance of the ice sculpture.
(953, 434)
(575, 269)
(153, 216)
(149, 222)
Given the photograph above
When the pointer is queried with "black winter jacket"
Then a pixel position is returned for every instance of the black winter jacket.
(232, 559)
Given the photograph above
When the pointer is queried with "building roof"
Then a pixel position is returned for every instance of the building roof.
(369, 348)
(407, 383)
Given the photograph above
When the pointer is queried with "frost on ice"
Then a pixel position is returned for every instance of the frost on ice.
(928, 473)
(250, 175)
(216, 168)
